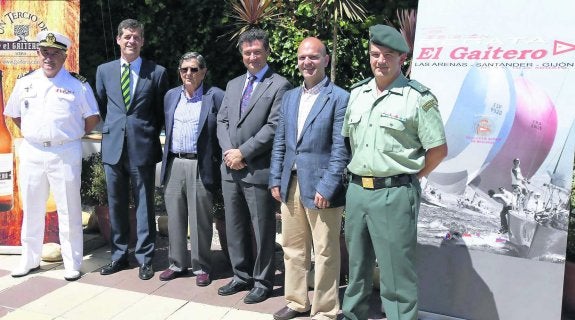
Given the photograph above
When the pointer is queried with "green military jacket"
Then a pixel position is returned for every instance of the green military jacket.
(390, 133)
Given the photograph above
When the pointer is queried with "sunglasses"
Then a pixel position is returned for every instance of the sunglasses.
(189, 69)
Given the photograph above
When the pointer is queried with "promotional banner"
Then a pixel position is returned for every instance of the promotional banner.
(503, 73)
(20, 22)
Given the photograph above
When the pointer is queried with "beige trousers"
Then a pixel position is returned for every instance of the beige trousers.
(301, 228)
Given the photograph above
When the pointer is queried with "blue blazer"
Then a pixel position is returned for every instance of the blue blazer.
(141, 125)
(319, 153)
(209, 152)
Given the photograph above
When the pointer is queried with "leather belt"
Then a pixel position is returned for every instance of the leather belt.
(181, 155)
(382, 182)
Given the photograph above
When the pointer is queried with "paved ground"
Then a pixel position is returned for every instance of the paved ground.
(46, 295)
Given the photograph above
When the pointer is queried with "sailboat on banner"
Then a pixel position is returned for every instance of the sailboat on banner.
(529, 139)
(540, 229)
(495, 120)
(477, 127)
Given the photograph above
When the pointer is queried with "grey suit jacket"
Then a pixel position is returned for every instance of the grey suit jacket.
(140, 126)
(253, 131)
(319, 152)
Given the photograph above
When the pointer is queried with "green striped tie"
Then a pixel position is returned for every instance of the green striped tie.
(125, 83)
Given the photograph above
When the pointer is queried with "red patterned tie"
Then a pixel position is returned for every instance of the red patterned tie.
(247, 94)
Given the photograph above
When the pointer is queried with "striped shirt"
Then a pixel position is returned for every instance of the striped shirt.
(186, 120)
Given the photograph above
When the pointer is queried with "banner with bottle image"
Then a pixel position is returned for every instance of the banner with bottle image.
(20, 22)
(503, 73)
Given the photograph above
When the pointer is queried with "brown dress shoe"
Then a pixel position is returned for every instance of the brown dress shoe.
(203, 280)
(286, 313)
(170, 274)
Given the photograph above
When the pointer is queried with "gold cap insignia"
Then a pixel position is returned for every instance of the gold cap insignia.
(50, 38)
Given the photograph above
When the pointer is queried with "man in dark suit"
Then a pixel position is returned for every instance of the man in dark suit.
(130, 95)
(191, 169)
(306, 175)
(246, 124)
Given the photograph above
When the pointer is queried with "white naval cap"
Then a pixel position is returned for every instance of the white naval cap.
(53, 39)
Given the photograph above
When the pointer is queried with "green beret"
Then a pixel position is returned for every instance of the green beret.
(387, 36)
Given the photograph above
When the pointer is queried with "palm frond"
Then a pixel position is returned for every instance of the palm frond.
(407, 24)
(350, 9)
(249, 13)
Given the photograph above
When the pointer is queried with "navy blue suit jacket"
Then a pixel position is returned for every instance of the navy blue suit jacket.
(142, 123)
(209, 152)
(319, 153)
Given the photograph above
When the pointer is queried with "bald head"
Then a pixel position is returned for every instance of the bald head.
(312, 59)
(313, 42)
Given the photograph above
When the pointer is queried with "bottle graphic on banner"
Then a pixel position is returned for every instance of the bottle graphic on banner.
(6, 159)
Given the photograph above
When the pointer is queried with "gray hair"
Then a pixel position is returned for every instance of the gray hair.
(193, 55)
(130, 24)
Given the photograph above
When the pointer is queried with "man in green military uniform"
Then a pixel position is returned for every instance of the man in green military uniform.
(396, 135)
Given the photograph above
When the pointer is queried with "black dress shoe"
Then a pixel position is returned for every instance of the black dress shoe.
(114, 266)
(233, 287)
(286, 313)
(146, 271)
(257, 295)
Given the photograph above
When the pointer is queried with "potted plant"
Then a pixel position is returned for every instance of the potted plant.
(94, 192)
(93, 187)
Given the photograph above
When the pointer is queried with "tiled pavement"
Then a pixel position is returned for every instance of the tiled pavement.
(46, 295)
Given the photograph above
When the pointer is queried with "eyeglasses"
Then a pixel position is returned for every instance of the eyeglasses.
(189, 69)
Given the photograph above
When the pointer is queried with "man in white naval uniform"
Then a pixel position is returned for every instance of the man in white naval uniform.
(53, 109)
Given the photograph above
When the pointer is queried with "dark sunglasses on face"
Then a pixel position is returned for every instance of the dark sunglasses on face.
(189, 69)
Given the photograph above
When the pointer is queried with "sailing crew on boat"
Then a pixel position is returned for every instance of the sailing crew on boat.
(519, 184)
(506, 198)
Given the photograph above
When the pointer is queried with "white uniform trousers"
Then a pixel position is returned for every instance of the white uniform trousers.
(56, 168)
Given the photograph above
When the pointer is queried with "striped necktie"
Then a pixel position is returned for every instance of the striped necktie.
(125, 83)
(247, 94)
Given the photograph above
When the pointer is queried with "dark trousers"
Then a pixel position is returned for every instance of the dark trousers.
(503, 217)
(250, 206)
(120, 177)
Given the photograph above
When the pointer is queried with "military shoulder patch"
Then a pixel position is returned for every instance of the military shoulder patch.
(79, 77)
(429, 102)
(418, 86)
(362, 82)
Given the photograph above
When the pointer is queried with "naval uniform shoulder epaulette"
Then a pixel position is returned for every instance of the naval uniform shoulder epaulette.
(418, 86)
(25, 74)
(362, 82)
(79, 77)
